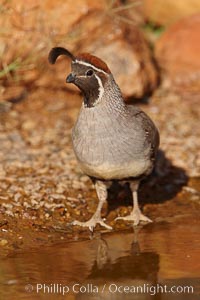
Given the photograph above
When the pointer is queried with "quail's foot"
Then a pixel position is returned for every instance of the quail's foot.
(92, 223)
(136, 216)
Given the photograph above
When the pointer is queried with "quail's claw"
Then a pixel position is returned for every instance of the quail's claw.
(145, 218)
(92, 223)
(103, 224)
(136, 216)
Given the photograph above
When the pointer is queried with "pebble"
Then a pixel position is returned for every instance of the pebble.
(17, 197)
(190, 190)
(72, 199)
(57, 196)
(84, 178)
(3, 242)
(77, 185)
(12, 281)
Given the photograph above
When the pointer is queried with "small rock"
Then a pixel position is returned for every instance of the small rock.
(34, 202)
(57, 196)
(3, 242)
(29, 125)
(84, 178)
(12, 281)
(5, 106)
(60, 190)
(78, 185)
(17, 197)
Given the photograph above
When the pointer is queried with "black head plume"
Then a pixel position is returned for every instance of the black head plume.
(57, 51)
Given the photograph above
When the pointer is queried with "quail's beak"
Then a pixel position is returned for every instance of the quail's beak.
(70, 78)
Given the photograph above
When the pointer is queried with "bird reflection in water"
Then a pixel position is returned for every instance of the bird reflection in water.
(136, 269)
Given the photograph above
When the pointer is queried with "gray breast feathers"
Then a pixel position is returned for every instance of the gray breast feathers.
(113, 141)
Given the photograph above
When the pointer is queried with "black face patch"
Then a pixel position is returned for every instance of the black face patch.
(90, 89)
(86, 80)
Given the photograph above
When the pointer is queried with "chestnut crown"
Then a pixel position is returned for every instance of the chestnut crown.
(89, 74)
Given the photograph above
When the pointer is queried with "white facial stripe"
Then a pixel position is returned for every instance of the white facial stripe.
(88, 65)
(101, 89)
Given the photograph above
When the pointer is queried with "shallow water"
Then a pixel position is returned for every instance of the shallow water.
(110, 266)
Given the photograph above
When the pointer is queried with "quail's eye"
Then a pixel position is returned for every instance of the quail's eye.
(89, 72)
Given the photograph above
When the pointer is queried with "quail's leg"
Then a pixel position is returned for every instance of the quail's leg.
(102, 193)
(136, 215)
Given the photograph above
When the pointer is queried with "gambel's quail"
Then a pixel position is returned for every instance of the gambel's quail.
(111, 140)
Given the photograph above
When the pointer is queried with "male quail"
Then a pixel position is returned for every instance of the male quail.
(111, 140)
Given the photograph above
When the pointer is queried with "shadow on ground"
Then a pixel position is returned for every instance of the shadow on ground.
(163, 184)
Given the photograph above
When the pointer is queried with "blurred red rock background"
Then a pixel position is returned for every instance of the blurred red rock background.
(177, 52)
(141, 41)
(169, 11)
